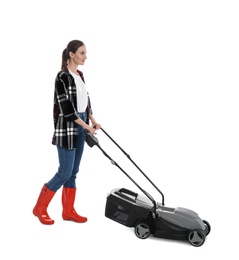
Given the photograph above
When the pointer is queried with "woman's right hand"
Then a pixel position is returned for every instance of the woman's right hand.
(90, 129)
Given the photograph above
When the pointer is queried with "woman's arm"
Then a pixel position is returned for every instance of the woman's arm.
(62, 96)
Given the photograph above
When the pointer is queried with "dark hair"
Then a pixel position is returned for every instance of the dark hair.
(72, 46)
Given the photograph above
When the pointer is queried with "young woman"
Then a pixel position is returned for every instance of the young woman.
(72, 115)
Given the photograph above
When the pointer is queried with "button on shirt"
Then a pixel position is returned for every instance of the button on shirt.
(82, 95)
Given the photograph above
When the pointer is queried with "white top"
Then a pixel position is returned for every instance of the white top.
(82, 95)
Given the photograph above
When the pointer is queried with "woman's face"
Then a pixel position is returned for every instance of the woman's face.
(79, 56)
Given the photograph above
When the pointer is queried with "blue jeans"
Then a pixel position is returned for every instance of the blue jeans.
(69, 162)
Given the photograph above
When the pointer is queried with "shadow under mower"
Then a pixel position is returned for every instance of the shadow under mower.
(146, 215)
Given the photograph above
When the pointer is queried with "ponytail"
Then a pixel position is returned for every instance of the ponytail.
(64, 58)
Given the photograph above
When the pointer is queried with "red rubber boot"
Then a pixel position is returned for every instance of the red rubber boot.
(68, 199)
(40, 209)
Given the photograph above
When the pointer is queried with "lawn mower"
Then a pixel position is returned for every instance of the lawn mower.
(147, 216)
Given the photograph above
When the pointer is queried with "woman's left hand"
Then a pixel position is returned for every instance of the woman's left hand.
(95, 125)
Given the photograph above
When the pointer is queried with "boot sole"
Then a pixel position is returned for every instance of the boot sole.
(78, 221)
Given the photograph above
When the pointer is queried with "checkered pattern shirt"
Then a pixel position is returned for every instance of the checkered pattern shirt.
(65, 110)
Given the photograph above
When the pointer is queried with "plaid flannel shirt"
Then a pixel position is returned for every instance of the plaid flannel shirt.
(65, 110)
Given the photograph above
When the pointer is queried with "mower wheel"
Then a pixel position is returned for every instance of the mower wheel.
(142, 230)
(208, 226)
(196, 238)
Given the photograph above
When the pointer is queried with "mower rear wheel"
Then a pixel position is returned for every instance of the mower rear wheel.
(142, 230)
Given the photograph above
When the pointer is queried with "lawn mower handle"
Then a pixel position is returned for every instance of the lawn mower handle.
(128, 156)
(91, 140)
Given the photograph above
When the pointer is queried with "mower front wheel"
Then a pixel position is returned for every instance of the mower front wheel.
(196, 238)
(206, 223)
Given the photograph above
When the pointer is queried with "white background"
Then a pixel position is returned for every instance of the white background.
(163, 80)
